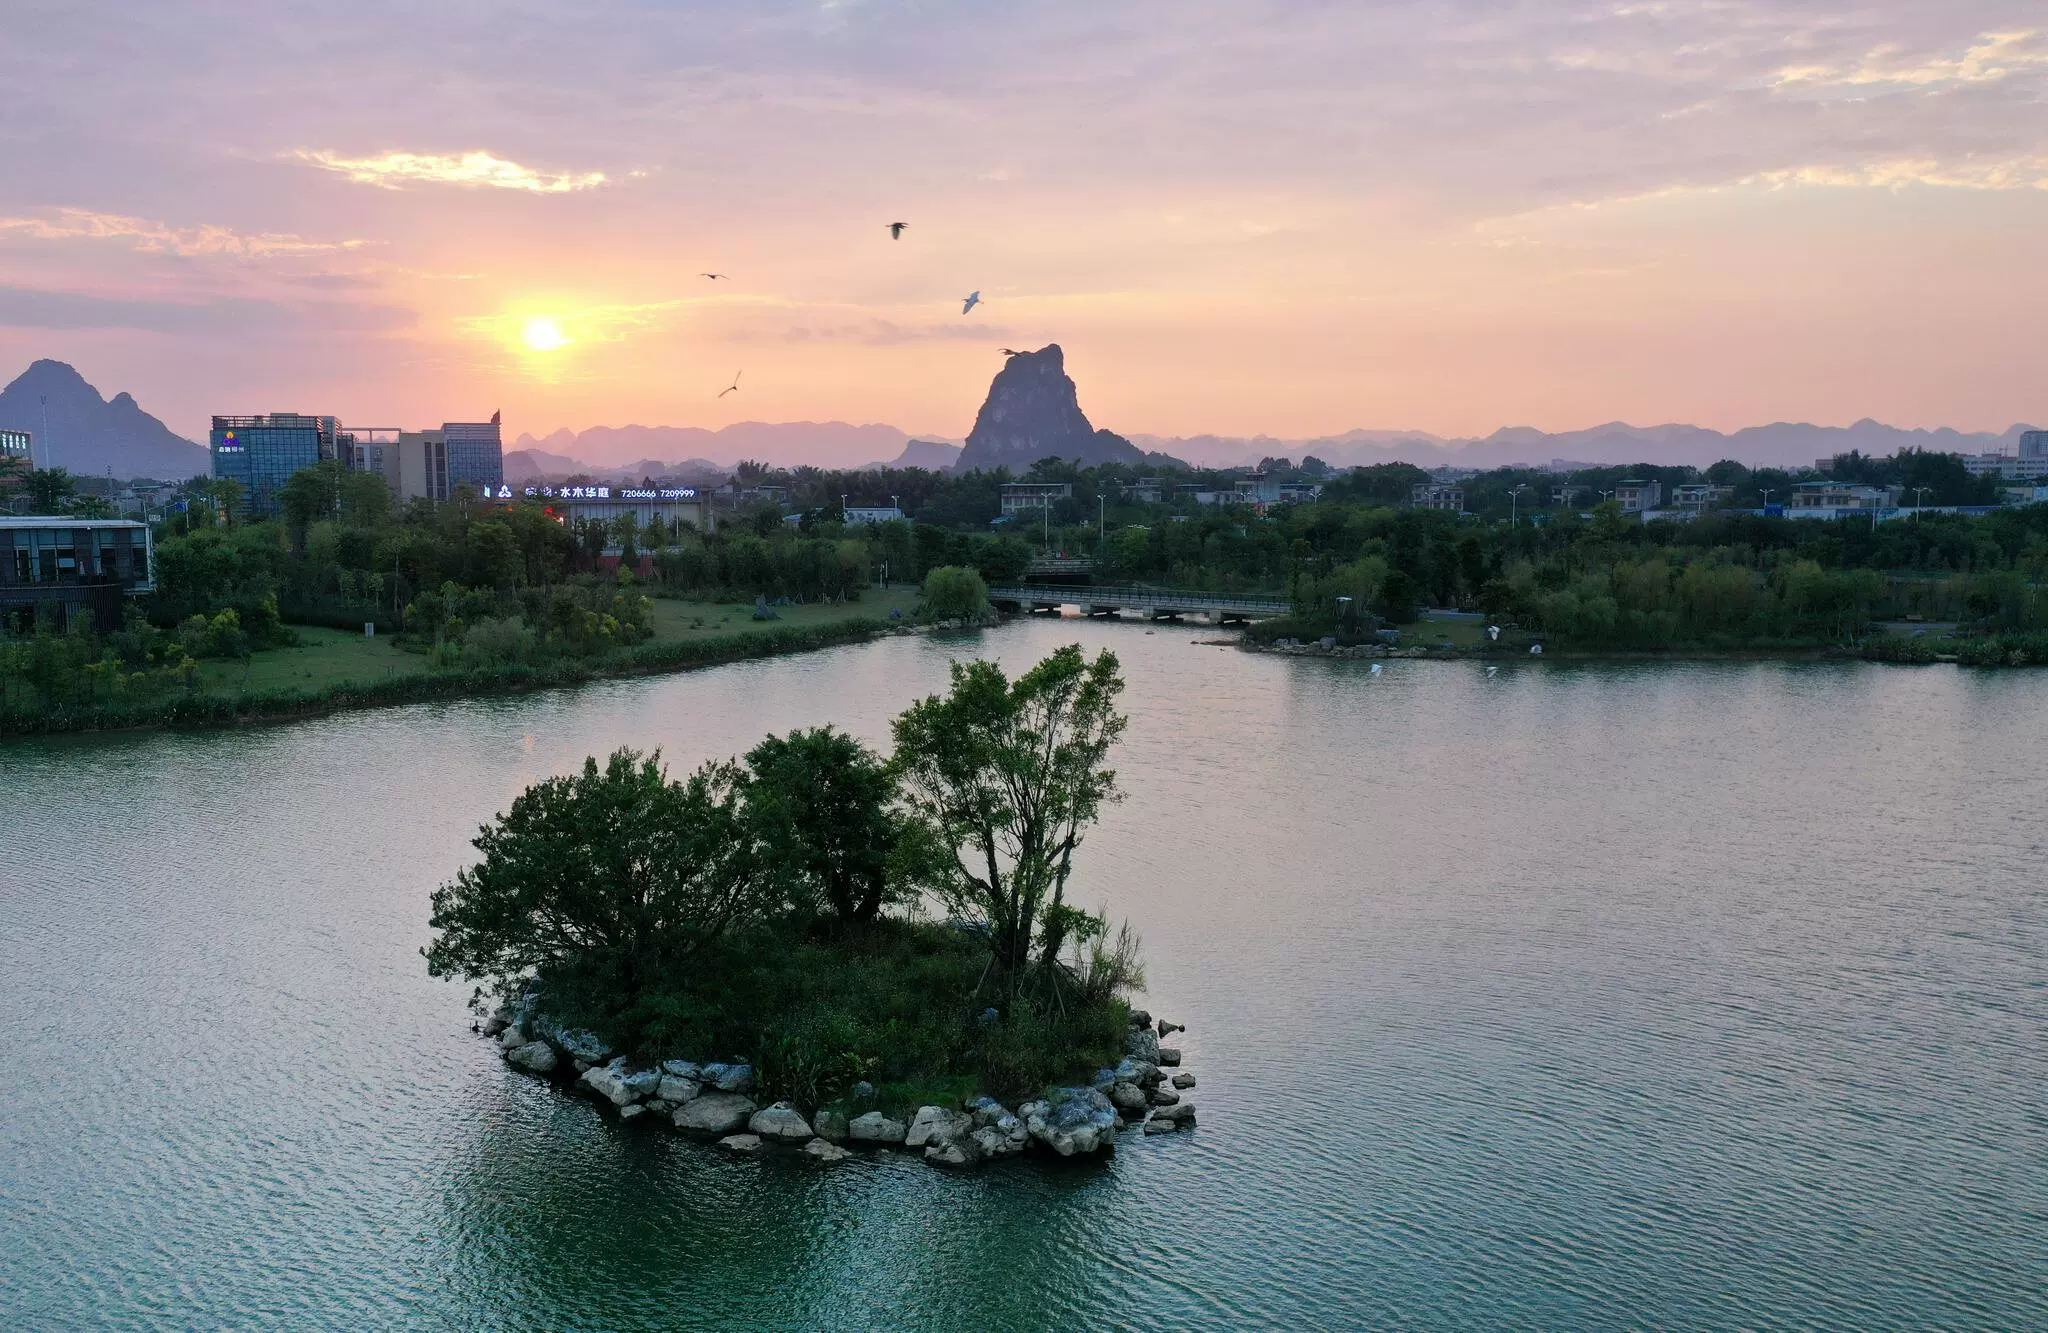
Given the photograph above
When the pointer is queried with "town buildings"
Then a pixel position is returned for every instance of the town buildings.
(17, 444)
(1437, 495)
(605, 503)
(261, 452)
(856, 516)
(1636, 496)
(1022, 496)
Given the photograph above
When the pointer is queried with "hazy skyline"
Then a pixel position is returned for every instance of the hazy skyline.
(1290, 219)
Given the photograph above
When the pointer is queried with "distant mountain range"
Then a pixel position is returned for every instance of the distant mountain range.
(75, 428)
(1782, 444)
(829, 444)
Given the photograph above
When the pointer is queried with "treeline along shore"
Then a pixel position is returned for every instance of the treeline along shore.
(265, 618)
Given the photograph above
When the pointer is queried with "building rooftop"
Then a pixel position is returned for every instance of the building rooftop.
(18, 521)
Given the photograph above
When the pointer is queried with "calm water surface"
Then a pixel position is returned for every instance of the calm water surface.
(1701, 996)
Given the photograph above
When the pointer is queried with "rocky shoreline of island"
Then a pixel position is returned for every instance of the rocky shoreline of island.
(714, 1102)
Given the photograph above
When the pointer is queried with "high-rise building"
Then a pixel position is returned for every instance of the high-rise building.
(2034, 444)
(17, 444)
(260, 452)
(475, 454)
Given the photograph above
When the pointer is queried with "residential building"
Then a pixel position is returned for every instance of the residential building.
(1568, 494)
(2034, 444)
(1033, 495)
(1437, 495)
(77, 562)
(1261, 488)
(17, 444)
(1145, 491)
(861, 515)
(260, 452)
(1636, 496)
(1700, 495)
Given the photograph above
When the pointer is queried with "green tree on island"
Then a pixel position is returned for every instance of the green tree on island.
(617, 867)
(1008, 777)
(817, 806)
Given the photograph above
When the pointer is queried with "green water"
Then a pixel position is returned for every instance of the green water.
(1687, 996)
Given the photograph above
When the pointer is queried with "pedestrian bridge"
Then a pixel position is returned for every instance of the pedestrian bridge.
(1157, 603)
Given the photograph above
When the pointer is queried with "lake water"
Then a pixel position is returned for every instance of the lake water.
(1681, 996)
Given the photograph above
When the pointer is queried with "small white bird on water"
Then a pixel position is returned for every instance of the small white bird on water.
(973, 300)
(1493, 671)
(1377, 668)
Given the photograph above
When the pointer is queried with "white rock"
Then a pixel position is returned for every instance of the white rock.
(1127, 1096)
(715, 1113)
(1169, 1056)
(962, 1151)
(628, 1112)
(677, 1090)
(741, 1142)
(874, 1127)
(782, 1123)
(512, 1038)
(825, 1151)
(681, 1069)
(609, 1082)
(535, 1057)
(935, 1124)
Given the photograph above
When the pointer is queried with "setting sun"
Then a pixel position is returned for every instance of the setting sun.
(543, 334)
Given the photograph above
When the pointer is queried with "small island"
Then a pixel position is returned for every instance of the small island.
(821, 947)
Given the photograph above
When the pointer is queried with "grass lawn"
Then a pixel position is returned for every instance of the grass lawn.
(1428, 633)
(325, 657)
(674, 620)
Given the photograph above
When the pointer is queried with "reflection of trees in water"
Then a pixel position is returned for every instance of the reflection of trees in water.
(554, 1216)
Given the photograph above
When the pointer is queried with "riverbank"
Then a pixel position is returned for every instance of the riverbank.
(331, 671)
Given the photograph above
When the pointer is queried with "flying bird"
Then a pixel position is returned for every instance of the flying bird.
(715, 276)
(732, 386)
(896, 230)
(1493, 671)
(1377, 668)
(973, 300)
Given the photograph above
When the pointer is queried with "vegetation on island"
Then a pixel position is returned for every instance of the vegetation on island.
(828, 914)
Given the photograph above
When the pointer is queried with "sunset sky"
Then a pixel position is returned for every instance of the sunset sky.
(1290, 218)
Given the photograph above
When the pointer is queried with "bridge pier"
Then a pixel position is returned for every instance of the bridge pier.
(1098, 612)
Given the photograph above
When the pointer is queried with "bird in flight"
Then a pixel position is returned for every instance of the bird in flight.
(1009, 351)
(732, 386)
(973, 300)
(896, 230)
(714, 276)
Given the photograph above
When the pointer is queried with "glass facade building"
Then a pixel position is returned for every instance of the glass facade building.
(260, 452)
(476, 455)
(78, 563)
(16, 444)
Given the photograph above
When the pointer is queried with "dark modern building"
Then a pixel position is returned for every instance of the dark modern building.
(89, 562)
(260, 452)
(17, 444)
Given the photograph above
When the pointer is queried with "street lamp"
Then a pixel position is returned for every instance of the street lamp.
(1767, 496)
(1920, 500)
(1514, 502)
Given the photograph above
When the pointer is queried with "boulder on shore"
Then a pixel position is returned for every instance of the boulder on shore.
(535, 1057)
(512, 1038)
(781, 1122)
(741, 1142)
(1142, 1044)
(1166, 1029)
(673, 1088)
(636, 1109)
(682, 1069)
(826, 1151)
(715, 1113)
(1169, 1056)
(1181, 1114)
(728, 1078)
(962, 1151)
(1127, 1096)
(585, 1046)
(609, 1082)
(935, 1124)
(874, 1127)
(1183, 1081)
(1076, 1121)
